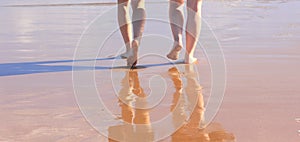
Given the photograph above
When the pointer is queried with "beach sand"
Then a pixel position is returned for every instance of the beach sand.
(260, 41)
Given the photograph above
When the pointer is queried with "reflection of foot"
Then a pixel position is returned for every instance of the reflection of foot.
(133, 54)
(173, 72)
(175, 76)
(139, 92)
(189, 70)
(174, 53)
(190, 59)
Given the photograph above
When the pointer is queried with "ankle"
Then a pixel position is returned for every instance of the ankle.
(189, 58)
(135, 43)
(188, 55)
(128, 46)
(178, 43)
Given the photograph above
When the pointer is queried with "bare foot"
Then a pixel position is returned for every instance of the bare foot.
(174, 53)
(188, 59)
(133, 54)
(125, 55)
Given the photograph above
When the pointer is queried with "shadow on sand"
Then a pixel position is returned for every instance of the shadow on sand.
(23, 68)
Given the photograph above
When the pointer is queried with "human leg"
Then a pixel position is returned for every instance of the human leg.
(176, 22)
(125, 24)
(138, 18)
(193, 28)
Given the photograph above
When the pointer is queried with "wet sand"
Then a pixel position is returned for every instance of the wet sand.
(260, 41)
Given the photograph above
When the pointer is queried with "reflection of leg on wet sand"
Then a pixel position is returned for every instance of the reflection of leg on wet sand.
(193, 91)
(178, 99)
(131, 30)
(191, 131)
(137, 126)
